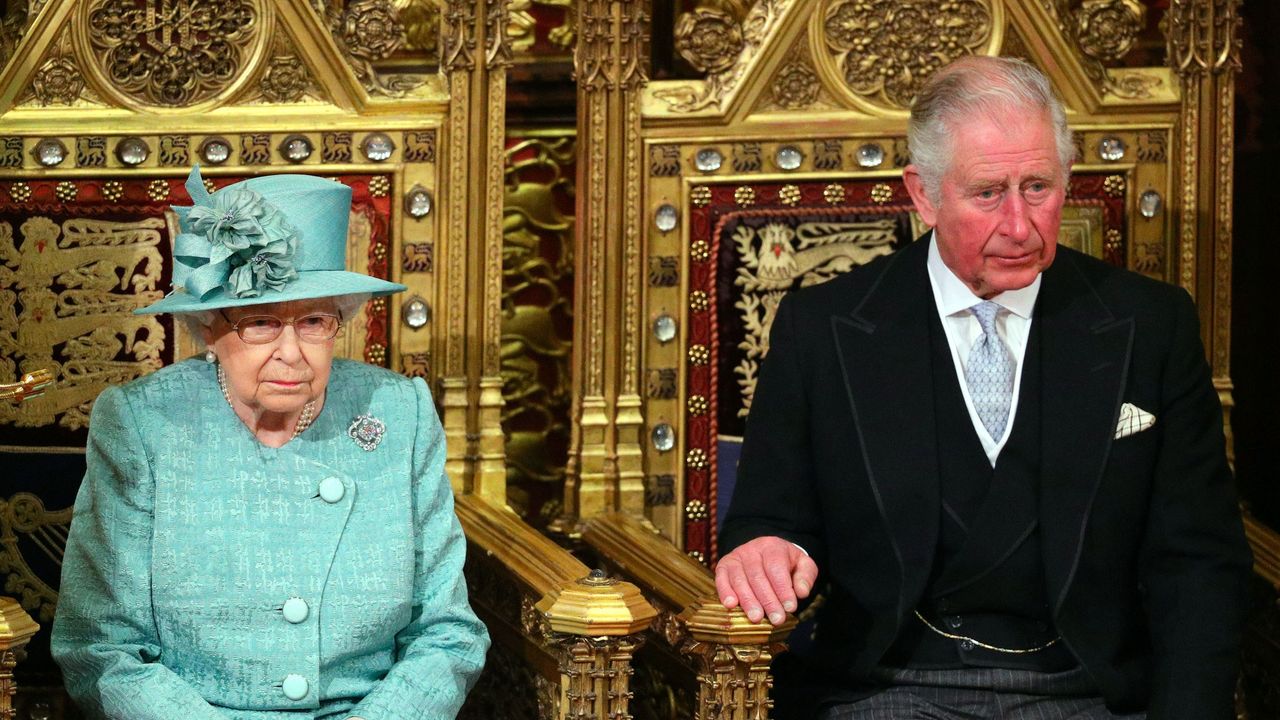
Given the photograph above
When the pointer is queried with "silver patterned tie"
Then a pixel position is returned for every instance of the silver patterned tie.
(989, 372)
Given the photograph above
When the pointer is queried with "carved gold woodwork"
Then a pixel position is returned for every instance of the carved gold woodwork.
(133, 44)
(595, 621)
(25, 523)
(710, 39)
(1204, 50)
(1258, 692)
(537, 317)
(605, 469)
(884, 50)
(726, 654)
(760, 25)
(251, 74)
(16, 629)
(16, 626)
(577, 629)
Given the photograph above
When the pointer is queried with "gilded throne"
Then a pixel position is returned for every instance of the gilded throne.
(590, 299)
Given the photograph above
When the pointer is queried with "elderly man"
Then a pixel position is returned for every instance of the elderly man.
(1006, 458)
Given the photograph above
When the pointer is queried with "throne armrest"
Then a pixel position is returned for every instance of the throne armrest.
(16, 628)
(563, 636)
(729, 654)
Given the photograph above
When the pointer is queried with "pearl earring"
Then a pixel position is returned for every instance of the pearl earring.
(210, 357)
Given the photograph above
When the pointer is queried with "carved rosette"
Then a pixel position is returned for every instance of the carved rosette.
(884, 50)
(285, 81)
(796, 86)
(172, 53)
(367, 31)
(709, 40)
(371, 29)
(58, 82)
(1107, 29)
(759, 24)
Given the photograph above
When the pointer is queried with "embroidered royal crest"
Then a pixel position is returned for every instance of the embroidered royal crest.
(776, 257)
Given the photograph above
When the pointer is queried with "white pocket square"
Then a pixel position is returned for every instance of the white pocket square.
(1133, 420)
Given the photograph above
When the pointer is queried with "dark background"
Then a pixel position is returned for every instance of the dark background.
(1256, 304)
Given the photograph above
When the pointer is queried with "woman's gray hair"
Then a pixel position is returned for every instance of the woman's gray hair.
(991, 87)
(195, 322)
(349, 305)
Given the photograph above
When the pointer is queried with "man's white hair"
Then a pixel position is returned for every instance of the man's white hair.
(979, 86)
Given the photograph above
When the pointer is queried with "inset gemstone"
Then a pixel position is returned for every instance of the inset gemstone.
(664, 328)
(870, 155)
(1150, 203)
(666, 217)
(132, 151)
(416, 312)
(417, 202)
(1111, 148)
(215, 150)
(378, 147)
(663, 437)
(708, 160)
(789, 157)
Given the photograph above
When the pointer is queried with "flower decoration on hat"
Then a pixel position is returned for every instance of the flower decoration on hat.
(233, 239)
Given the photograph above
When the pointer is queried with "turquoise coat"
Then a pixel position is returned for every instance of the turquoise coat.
(209, 577)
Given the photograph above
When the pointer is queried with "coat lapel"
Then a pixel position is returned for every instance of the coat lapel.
(884, 354)
(1084, 363)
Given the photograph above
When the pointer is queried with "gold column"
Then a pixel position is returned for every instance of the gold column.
(16, 629)
(491, 479)
(1204, 51)
(472, 245)
(605, 469)
(596, 622)
(728, 654)
(732, 657)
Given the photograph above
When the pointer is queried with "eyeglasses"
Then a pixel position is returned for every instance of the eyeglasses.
(262, 329)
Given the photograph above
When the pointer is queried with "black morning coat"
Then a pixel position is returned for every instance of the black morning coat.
(1145, 562)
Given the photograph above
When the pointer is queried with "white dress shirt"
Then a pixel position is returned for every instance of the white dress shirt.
(1013, 323)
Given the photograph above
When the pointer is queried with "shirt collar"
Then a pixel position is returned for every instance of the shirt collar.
(953, 296)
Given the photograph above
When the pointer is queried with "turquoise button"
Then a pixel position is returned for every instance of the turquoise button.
(295, 687)
(332, 490)
(296, 610)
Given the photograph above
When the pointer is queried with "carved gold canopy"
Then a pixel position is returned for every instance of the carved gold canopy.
(105, 105)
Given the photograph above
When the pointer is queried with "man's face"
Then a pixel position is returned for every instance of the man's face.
(997, 215)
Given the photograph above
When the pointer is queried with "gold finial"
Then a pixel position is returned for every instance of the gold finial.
(32, 385)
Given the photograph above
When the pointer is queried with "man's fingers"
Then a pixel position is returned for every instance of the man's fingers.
(765, 577)
(777, 566)
(804, 576)
(746, 596)
(728, 596)
(758, 577)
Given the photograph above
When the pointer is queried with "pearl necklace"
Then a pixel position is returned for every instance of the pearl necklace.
(304, 420)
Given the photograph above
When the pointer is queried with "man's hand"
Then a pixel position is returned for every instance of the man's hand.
(765, 577)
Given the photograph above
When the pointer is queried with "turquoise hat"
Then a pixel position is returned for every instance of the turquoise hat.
(268, 239)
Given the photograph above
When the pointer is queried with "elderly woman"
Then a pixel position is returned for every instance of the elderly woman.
(268, 532)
